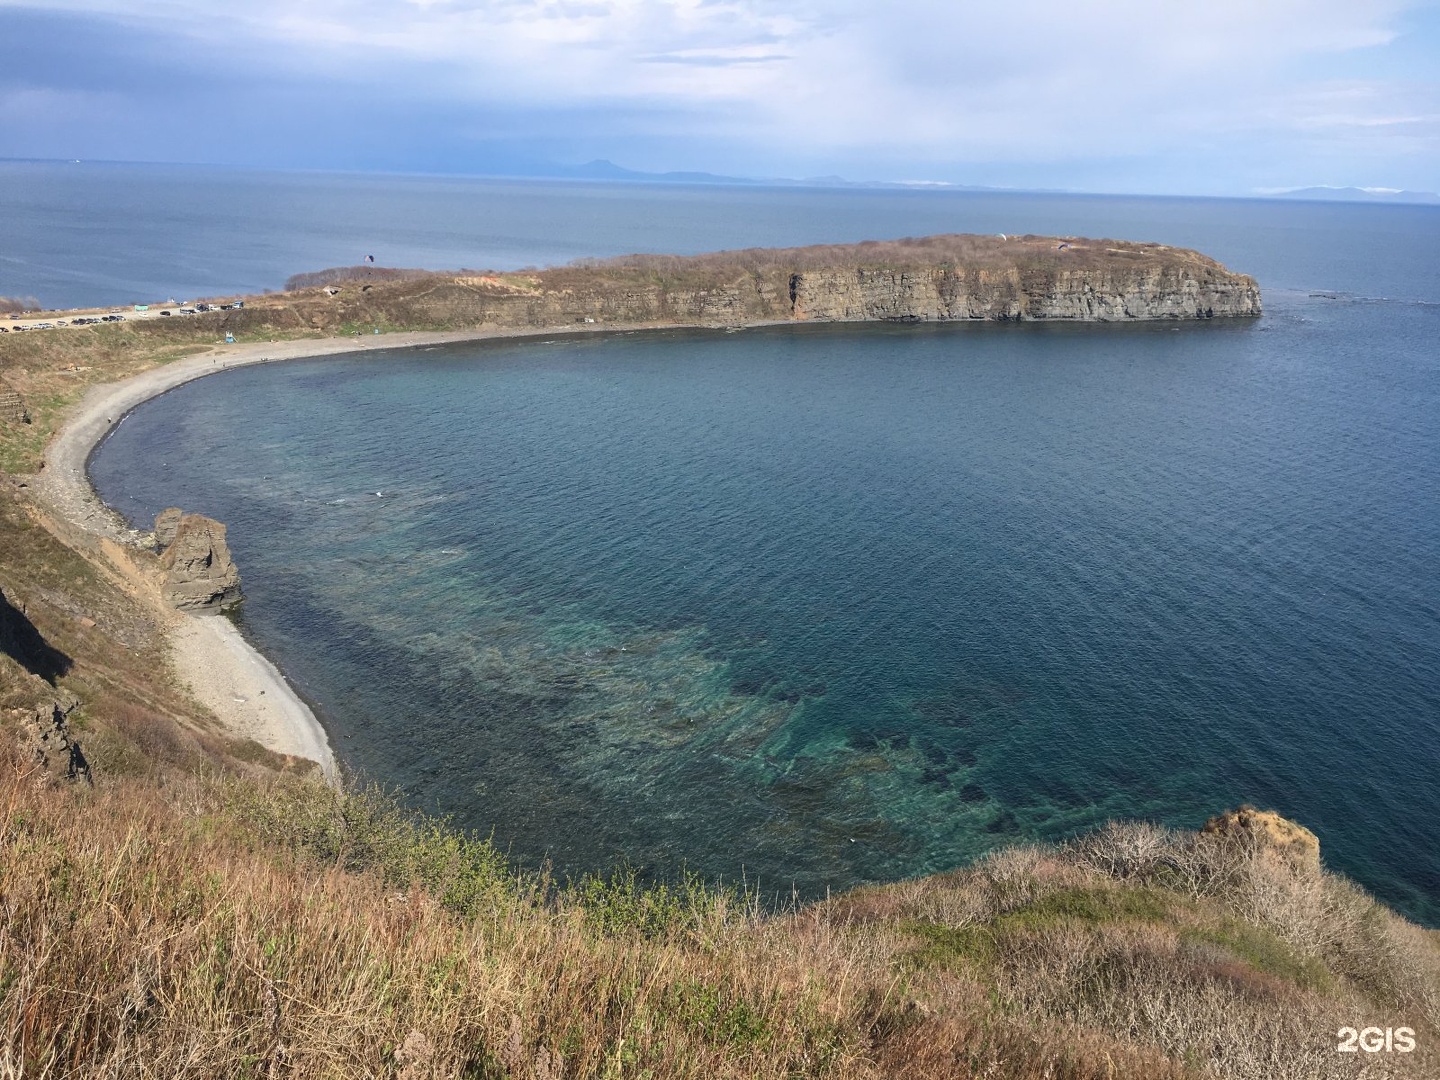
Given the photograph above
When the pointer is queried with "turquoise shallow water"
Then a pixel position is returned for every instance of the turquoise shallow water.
(826, 605)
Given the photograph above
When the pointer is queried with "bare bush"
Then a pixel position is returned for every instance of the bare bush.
(1204, 866)
(1196, 1005)
(1125, 849)
(1009, 876)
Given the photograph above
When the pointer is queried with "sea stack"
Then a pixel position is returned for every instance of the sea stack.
(197, 571)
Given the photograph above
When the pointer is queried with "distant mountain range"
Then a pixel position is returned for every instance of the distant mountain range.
(601, 169)
(1356, 194)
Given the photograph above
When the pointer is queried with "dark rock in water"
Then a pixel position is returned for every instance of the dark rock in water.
(166, 522)
(198, 571)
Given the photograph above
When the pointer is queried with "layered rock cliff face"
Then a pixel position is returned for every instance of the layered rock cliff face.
(197, 571)
(166, 522)
(938, 294)
(932, 279)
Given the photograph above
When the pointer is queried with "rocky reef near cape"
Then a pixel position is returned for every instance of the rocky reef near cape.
(953, 278)
(197, 572)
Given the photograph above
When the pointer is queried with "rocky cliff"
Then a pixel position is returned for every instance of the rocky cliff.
(943, 293)
(931, 279)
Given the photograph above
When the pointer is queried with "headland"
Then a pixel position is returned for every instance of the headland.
(952, 278)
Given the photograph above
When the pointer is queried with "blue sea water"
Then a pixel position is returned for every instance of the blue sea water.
(76, 234)
(834, 604)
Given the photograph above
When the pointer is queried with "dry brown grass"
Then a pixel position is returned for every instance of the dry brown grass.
(153, 932)
(351, 274)
(222, 925)
(52, 369)
(1220, 954)
(970, 251)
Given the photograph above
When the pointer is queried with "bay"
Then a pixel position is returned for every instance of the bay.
(823, 605)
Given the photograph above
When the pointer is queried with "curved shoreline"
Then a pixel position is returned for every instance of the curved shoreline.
(243, 688)
(240, 685)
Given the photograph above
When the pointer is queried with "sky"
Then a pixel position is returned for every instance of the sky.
(1228, 97)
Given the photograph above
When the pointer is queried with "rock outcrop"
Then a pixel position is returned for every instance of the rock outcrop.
(52, 746)
(12, 405)
(166, 522)
(1267, 831)
(197, 570)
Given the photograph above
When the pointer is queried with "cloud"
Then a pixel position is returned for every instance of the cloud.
(912, 84)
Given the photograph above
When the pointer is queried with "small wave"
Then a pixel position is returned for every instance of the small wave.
(1354, 298)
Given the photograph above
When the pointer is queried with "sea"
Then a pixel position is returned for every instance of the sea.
(813, 606)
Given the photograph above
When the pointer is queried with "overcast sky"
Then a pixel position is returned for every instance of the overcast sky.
(1222, 97)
